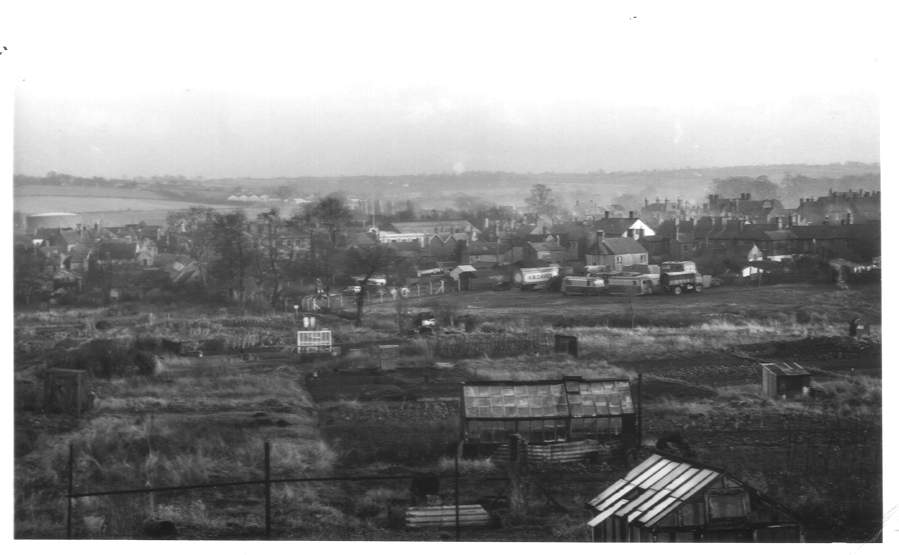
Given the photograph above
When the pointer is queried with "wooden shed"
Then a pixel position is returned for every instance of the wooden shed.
(785, 380)
(669, 499)
(66, 391)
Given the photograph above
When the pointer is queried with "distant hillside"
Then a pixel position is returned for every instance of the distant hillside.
(441, 190)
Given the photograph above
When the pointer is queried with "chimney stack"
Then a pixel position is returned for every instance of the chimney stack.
(606, 214)
(631, 213)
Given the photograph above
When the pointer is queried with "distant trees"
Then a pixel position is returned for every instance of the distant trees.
(193, 234)
(368, 261)
(235, 251)
(332, 213)
(759, 188)
(541, 201)
(32, 276)
(272, 262)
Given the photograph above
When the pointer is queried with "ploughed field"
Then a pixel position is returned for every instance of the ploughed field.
(194, 420)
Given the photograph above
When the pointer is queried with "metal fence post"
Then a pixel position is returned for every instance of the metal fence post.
(70, 491)
(268, 492)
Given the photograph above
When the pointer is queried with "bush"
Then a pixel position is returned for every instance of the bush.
(146, 363)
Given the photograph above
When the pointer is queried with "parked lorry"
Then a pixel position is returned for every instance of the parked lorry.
(629, 283)
(582, 285)
(534, 278)
(680, 277)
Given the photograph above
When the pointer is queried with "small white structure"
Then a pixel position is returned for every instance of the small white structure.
(314, 341)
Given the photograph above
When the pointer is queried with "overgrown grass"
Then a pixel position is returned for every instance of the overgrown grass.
(541, 368)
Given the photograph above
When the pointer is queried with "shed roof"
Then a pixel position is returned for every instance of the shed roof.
(651, 490)
(785, 368)
(561, 398)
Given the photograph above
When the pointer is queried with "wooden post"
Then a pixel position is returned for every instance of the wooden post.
(70, 491)
(268, 492)
(456, 476)
(639, 409)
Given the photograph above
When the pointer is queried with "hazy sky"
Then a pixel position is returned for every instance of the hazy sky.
(253, 89)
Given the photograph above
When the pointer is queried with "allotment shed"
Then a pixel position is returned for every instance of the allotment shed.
(547, 411)
(669, 499)
(66, 391)
(784, 380)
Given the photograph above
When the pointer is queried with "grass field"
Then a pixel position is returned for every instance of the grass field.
(197, 420)
(114, 206)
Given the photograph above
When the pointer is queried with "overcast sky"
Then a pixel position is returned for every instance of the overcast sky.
(252, 89)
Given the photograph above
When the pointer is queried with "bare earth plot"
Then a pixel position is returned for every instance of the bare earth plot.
(198, 420)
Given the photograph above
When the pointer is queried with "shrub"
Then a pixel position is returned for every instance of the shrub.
(146, 363)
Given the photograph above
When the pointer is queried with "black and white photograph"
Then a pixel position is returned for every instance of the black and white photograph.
(473, 272)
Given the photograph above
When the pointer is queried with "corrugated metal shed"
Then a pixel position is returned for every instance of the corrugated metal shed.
(651, 490)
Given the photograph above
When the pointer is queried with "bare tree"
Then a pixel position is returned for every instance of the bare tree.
(541, 202)
(368, 261)
(272, 262)
(235, 252)
(191, 233)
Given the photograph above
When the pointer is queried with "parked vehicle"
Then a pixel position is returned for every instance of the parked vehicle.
(582, 285)
(629, 283)
(680, 277)
(534, 278)
(425, 323)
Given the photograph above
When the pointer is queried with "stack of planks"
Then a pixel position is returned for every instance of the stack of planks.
(444, 516)
(568, 452)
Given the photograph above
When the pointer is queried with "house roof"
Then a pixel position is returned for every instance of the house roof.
(547, 246)
(563, 398)
(615, 226)
(431, 226)
(483, 247)
(821, 231)
(116, 250)
(619, 245)
(652, 490)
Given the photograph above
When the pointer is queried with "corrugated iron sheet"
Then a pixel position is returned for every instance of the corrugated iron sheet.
(651, 490)
(784, 368)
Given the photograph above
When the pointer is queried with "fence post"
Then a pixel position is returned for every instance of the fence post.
(268, 492)
(70, 491)
(456, 476)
